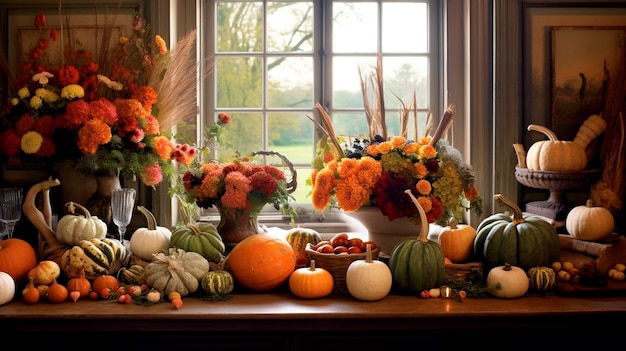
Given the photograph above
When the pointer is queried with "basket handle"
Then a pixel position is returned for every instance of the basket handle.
(292, 184)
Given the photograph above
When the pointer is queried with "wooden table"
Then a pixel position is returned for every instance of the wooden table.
(280, 321)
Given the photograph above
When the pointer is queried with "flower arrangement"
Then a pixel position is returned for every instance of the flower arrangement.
(376, 171)
(240, 183)
(93, 114)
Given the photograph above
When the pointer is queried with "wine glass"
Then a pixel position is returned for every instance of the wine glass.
(122, 205)
(10, 209)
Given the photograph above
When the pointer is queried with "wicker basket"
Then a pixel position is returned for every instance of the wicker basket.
(337, 265)
(461, 271)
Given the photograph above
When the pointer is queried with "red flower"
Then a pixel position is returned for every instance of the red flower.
(390, 196)
(68, 75)
(10, 142)
(54, 34)
(40, 21)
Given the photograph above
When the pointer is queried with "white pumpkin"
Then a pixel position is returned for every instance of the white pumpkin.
(589, 222)
(7, 288)
(507, 281)
(72, 228)
(148, 241)
(368, 279)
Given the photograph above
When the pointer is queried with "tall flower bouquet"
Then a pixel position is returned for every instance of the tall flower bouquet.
(375, 170)
(92, 113)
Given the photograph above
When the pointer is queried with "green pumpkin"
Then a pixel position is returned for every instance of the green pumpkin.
(201, 238)
(521, 241)
(220, 283)
(417, 264)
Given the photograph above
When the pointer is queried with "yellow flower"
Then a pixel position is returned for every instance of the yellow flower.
(31, 142)
(23, 93)
(411, 148)
(35, 102)
(72, 91)
(14, 101)
(47, 95)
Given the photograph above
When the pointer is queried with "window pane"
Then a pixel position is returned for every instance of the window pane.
(355, 27)
(404, 76)
(347, 81)
(405, 27)
(291, 134)
(290, 82)
(239, 82)
(290, 26)
(239, 26)
(244, 133)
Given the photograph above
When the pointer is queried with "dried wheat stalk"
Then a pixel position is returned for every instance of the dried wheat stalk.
(610, 190)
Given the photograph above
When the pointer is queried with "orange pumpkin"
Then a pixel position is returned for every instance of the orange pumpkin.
(105, 282)
(457, 241)
(311, 282)
(57, 293)
(17, 257)
(261, 262)
(80, 284)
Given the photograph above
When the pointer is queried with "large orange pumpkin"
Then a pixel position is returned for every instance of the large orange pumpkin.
(261, 262)
(17, 257)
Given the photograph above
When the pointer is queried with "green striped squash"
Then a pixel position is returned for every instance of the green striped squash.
(96, 257)
(541, 279)
(520, 241)
(417, 264)
(298, 238)
(133, 275)
(201, 238)
(219, 283)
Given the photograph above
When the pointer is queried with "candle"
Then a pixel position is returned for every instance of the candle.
(446, 292)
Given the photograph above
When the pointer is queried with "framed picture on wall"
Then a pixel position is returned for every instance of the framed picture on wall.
(583, 59)
(555, 37)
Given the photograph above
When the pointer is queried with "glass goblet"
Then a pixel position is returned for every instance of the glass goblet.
(122, 206)
(10, 209)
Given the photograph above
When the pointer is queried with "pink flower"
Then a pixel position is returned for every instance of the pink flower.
(153, 175)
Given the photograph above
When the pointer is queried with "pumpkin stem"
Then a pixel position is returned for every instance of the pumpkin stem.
(312, 266)
(507, 267)
(194, 228)
(423, 237)
(453, 223)
(152, 225)
(368, 253)
(71, 206)
(544, 130)
(517, 212)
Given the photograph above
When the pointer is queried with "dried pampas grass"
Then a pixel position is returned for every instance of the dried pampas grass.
(178, 87)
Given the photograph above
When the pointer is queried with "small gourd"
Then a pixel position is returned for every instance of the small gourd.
(368, 279)
(298, 238)
(95, 257)
(80, 284)
(177, 271)
(417, 264)
(7, 288)
(311, 282)
(457, 241)
(507, 281)
(554, 154)
(148, 241)
(541, 279)
(217, 283)
(72, 228)
(589, 222)
(521, 241)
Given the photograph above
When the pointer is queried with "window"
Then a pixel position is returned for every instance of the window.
(274, 60)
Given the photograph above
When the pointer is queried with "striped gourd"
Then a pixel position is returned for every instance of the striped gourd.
(133, 275)
(298, 238)
(520, 241)
(541, 279)
(201, 238)
(96, 256)
(220, 283)
(417, 264)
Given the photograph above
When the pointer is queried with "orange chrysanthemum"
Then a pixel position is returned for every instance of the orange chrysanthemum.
(93, 134)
